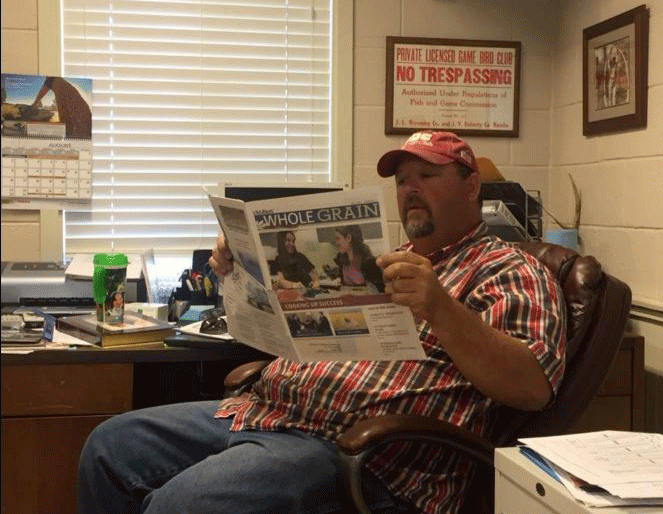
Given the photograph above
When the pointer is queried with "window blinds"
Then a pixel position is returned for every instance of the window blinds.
(194, 93)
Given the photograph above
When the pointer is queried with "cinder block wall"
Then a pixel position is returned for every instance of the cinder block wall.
(620, 175)
(525, 159)
(21, 230)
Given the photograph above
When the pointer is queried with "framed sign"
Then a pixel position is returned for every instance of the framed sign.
(469, 87)
(614, 78)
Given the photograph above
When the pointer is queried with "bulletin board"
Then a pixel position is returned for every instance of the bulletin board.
(46, 141)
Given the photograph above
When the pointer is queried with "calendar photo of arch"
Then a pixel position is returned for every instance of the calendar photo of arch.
(46, 141)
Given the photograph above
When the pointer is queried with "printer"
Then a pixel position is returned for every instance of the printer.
(45, 286)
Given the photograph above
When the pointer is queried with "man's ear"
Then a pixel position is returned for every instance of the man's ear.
(473, 182)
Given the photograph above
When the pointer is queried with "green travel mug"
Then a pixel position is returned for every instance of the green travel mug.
(109, 283)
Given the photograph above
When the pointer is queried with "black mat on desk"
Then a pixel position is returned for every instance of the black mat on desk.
(232, 351)
(194, 341)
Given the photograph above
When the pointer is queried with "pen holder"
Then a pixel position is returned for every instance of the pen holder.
(193, 289)
(198, 298)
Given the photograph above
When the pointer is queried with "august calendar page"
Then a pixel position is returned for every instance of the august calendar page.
(46, 138)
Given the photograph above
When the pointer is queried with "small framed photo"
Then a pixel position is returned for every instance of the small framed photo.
(614, 79)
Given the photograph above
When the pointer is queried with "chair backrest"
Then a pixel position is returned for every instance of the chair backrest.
(598, 306)
(597, 309)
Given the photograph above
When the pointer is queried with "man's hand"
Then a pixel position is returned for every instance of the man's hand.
(499, 365)
(413, 283)
(221, 260)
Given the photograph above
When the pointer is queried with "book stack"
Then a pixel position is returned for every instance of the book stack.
(137, 330)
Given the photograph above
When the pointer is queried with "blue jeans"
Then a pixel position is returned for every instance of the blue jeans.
(180, 459)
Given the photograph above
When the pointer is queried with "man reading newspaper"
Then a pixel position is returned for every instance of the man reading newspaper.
(491, 322)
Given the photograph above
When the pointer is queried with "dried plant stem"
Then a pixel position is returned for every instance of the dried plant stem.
(578, 202)
(578, 199)
(562, 225)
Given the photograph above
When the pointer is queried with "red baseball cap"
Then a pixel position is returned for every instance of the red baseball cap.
(431, 146)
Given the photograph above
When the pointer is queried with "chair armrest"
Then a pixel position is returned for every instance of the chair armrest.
(240, 378)
(360, 440)
(369, 433)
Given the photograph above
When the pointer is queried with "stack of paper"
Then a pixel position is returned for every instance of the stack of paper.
(60, 341)
(605, 468)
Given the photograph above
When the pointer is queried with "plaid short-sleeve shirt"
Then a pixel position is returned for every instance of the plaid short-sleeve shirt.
(509, 289)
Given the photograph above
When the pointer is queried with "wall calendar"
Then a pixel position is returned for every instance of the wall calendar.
(46, 141)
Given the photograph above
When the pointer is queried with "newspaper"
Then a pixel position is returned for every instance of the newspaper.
(319, 316)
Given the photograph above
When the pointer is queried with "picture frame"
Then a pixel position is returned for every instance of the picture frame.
(470, 87)
(615, 69)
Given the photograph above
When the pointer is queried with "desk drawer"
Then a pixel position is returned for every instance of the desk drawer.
(619, 379)
(605, 413)
(61, 389)
(40, 462)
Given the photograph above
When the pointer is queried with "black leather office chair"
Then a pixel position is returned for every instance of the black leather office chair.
(598, 306)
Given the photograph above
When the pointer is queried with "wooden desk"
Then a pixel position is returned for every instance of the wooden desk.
(619, 403)
(52, 399)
